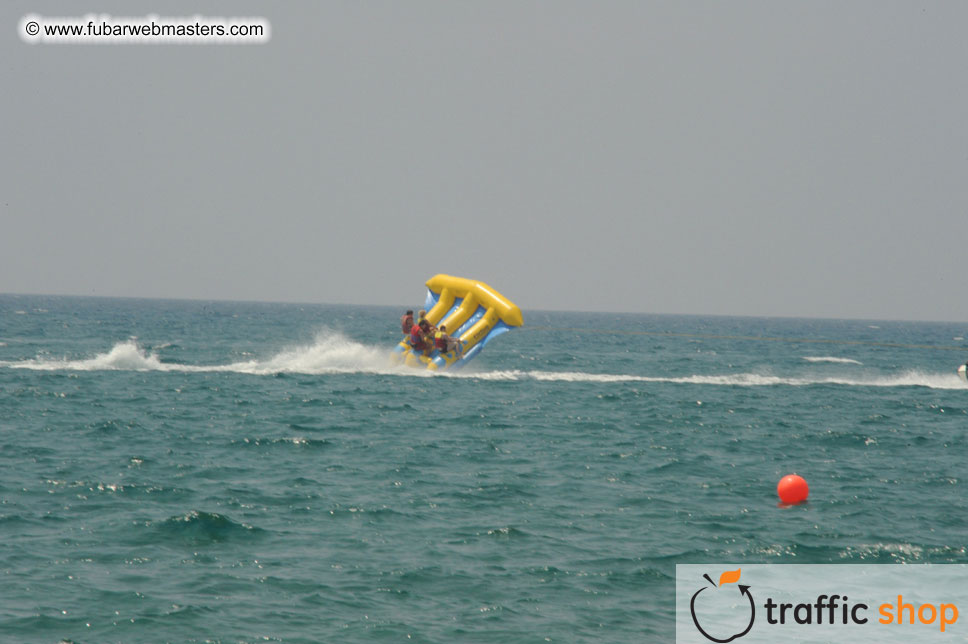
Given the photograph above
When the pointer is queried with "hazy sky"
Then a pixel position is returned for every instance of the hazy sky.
(742, 158)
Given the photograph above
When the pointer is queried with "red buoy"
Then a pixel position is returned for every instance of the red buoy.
(792, 489)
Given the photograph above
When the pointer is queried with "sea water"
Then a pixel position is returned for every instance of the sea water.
(243, 472)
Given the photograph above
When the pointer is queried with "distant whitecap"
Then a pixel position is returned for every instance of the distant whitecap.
(832, 359)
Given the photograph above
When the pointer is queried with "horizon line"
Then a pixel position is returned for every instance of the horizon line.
(536, 310)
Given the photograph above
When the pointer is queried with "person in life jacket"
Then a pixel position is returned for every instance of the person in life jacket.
(420, 338)
(406, 321)
(422, 315)
(444, 342)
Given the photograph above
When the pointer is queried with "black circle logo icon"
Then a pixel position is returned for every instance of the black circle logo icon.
(728, 577)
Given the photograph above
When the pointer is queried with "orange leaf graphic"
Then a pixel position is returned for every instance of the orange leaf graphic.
(729, 577)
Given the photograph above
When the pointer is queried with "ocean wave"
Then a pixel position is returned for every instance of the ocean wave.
(296, 441)
(200, 527)
(831, 359)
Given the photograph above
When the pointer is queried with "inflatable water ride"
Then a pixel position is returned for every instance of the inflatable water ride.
(478, 313)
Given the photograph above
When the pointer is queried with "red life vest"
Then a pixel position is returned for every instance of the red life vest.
(416, 338)
(406, 323)
(440, 341)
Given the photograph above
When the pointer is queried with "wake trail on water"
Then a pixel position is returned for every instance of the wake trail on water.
(331, 352)
(334, 353)
(912, 378)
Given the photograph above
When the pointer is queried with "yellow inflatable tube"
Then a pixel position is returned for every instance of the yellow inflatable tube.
(472, 310)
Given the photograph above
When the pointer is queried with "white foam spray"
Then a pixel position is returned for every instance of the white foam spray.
(330, 353)
(124, 356)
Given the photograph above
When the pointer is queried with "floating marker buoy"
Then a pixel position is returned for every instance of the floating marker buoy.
(792, 489)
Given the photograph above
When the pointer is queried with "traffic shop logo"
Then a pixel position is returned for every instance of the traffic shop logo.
(712, 598)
